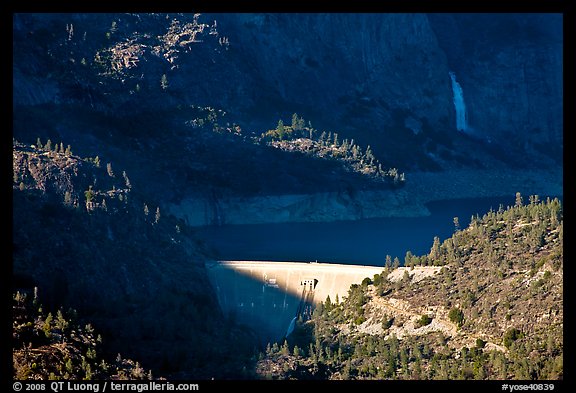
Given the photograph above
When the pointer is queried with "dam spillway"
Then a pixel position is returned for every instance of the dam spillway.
(267, 295)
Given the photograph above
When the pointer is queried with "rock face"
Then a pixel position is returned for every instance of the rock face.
(132, 85)
(365, 70)
(384, 75)
(510, 68)
(382, 79)
(410, 201)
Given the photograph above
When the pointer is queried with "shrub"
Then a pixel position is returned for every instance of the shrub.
(423, 321)
(456, 316)
(510, 336)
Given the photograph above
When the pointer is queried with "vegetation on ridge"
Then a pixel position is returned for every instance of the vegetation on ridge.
(55, 346)
(484, 304)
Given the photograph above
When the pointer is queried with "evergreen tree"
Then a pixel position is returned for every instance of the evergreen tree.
(435, 250)
(456, 316)
(125, 176)
(519, 201)
(296, 351)
(68, 151)
(285, 350)
(157, 216)
(355, 153)
(164, 82)
(388, 263)
(89, 194)
(369, 155)
(48, 145)
(109, 169)
(38, 143)
(295, 122)
(456, 224)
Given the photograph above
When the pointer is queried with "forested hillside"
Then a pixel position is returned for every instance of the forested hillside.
(486, 303)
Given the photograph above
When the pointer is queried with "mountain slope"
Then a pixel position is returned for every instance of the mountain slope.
(486, 303)
(92, 243)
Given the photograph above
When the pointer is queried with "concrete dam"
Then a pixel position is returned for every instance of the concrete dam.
(267, 296)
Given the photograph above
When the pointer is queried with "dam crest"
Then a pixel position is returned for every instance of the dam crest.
(268, 295)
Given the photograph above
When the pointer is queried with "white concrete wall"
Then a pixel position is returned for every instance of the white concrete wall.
(265, 295)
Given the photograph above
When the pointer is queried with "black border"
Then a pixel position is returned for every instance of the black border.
(565, 7)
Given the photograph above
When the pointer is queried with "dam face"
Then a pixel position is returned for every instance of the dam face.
(266, 296)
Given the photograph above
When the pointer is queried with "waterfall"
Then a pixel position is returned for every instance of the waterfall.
(459, 104)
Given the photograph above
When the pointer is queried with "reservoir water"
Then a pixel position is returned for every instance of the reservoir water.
(361, 242)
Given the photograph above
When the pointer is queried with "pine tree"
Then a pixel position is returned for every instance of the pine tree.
(301, 124)
(61, 322)
(89, 194)
(164, 82)
(408, 258)
(97, 162)
(456, 224)
(285, 350)
(68, 151)
(38, 143)
(125, 176)
(280, 129)
(47, 326)
(435, 250)
(296, 351)
(157, 216)
(109, 169)
(146, 211)
(355, 152)
(369, 155)
(48, 145)
(295, 123)
(519, 201)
